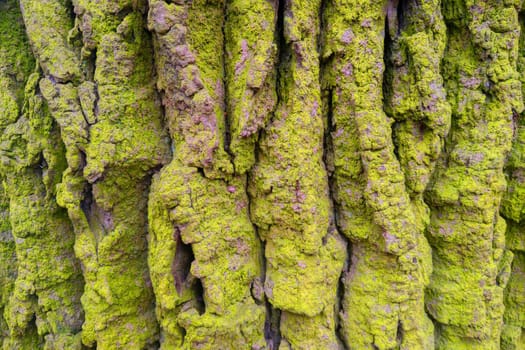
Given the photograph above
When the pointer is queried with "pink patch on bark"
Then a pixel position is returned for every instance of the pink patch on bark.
(348, 36)
(348, 69)
(244, 56)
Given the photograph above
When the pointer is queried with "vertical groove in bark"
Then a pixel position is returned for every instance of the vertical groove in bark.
(289, 191)
(8, 262)
(368, 179)
(512, 208)
(198, 194)
(328, 160)
(122, 152)
(109, 154)
(334, 226)
(416, 100)
(250, 75)
(250, 79)
(466, 231)
(9, 111)
(45, 297)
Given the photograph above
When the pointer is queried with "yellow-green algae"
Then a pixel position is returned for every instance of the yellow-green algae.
(11, 98)
(7, 262)
(196, 201)
(48, 23)
(42, 309)
(212, 217)
(49, 282)
(289, 190)
(110, 118)
(250, 75)
(378, 197)
(512, 208)
(246, 87)
(465, 295)
(193, 72)
(414, 92)
(513, 334)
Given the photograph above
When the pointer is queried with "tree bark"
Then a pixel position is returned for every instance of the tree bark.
(262, 174)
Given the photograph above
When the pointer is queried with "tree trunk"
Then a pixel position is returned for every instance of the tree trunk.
(262, 174)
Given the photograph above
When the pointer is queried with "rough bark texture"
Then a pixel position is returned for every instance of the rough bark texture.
(262, 174)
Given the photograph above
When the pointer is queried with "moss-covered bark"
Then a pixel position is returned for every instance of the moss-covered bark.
(43, 285)
(466, 232)
(256, 174)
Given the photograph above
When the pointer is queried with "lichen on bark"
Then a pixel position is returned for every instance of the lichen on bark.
(42, 307)
(262, 174)
(208, 279)
(466, 231)
(110, 154)
(379, 175)
(513, 332)
(290, 196)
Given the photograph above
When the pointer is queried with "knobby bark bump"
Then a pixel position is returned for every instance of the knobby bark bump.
(262, 174)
